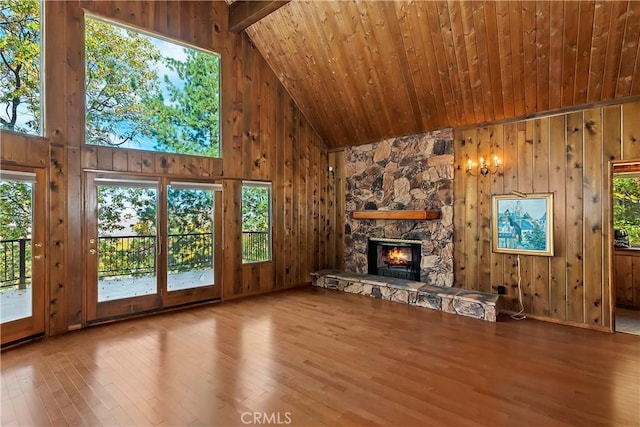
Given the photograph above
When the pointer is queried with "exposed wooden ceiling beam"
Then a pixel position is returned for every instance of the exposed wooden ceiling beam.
(244, 13)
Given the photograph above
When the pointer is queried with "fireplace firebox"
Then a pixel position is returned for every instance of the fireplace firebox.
(394, 258)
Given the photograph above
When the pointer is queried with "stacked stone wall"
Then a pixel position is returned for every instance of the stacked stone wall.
(409, 173)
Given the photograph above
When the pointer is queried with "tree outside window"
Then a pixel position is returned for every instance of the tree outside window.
(20, 66)
(626, 207)
(146, 93)
(256, 222)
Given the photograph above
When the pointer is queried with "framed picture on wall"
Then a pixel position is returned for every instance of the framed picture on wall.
(522, 224)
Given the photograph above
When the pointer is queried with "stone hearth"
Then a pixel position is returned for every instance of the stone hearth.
(463, 302)
(408, 173)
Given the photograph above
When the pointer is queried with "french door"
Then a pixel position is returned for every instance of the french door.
(22, 253)
(151, 244)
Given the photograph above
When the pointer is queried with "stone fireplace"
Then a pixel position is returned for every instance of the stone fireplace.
(394, 258)
(408, 173)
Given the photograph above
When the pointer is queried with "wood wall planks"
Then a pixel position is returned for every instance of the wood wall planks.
(264, 137)
(267, 137)
(569, 156)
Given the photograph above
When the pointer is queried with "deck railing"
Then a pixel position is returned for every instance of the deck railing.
(15, 262)
(255, 246)
(126, 256)
(135, 255)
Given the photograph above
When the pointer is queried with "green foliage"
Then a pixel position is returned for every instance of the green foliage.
(255, 223)
(190, 211)
(255, 208)
(15, 210)
(124, 98)
(536, 239)
(132, 256)
(125, 103)
(20, 65)
(190, 227)
(188, 252)
(15, 223)
(119, 208)
(111, 213)
(190, 217)
(122, 206)
(188, 122)
(626, 207)
(121, 71)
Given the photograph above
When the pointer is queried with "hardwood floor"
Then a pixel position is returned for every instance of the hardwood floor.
(319, 357)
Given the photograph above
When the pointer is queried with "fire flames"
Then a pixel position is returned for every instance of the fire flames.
(397, 256)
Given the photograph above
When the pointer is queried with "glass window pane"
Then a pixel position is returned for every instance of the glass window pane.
(256, 222)
(190, 238)
(16, 218)
(127, 241)
(20, 67)
(626, 210)
(146, 93)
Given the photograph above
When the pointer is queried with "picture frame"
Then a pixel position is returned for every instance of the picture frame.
(522, 224)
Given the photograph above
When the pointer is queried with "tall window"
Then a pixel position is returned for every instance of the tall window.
(256, 221)
(146, 93)
(20, 66)
(626, 209)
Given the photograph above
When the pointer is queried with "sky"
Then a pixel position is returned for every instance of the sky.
(535, 207)
(167, 50)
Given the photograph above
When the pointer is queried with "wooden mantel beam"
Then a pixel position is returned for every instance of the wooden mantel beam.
(417, 215)
(244, 13)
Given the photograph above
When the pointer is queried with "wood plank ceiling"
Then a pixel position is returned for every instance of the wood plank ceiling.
(362, 71)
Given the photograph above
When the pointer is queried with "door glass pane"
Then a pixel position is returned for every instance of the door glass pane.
(126, 241)
(16, 219)
(190, 237)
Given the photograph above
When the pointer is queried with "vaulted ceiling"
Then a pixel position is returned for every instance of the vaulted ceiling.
(362, 71)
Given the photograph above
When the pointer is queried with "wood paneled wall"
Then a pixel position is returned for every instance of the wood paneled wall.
(336, 201)
(264, 137)
(568, 155)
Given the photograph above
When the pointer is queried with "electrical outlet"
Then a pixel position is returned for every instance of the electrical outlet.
(502, 290)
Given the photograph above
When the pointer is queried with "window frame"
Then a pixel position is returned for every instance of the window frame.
(178, 42)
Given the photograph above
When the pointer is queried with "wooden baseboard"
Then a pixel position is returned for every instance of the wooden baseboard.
(561, 322)
(267, 291)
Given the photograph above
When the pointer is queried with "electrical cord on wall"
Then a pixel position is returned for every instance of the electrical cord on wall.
(519, 315)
